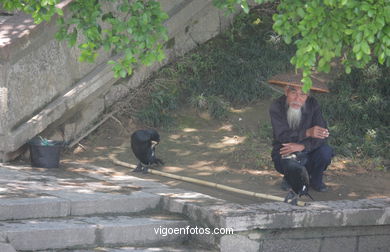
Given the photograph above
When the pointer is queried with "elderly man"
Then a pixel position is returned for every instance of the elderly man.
(300, 131)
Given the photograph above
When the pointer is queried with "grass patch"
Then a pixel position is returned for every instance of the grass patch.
(358, 112)
(225, 71)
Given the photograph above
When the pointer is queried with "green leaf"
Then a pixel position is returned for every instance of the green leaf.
(59, 11)
(287, 39)
(301, 12)
(381, 58)
(123, 73)
(245, 7)
(371, 39)
(307, 84)
(356, 48)
(365, 47)
(359, 55)
(348, 31)
(387, 14)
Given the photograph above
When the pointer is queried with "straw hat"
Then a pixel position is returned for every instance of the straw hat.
(294, 79)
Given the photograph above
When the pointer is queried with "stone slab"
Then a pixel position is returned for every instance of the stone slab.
(99, 203)
(378, 243)
(44, 234)
(48, 234)
(347, 244)
(319, 214)
(296, 245)
(172, 248)
(235, 243)
(41, 207)
(6, 247)
(140, 231)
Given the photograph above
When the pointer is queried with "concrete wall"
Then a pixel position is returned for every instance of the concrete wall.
(320, 226)
(342, 239)
(337, 226)
(42, 84)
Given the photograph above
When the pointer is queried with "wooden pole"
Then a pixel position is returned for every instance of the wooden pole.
(203, 182)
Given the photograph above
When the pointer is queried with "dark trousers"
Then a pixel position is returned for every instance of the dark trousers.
(316, 163)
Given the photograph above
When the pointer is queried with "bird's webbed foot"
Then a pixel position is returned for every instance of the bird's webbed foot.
(139, 168)
(145, 169)
(291, 198)
(294, 201)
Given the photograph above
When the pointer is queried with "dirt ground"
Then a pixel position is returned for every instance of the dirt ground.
(234, 152)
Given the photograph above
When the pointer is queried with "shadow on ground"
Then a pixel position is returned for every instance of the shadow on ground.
(235, 152)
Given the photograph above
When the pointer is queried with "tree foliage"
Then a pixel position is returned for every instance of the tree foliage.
(133, 30)
(353, 32)
(40, 10)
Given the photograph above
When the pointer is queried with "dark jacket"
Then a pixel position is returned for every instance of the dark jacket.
(311, 116)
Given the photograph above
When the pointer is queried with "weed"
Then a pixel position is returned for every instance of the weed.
(220, 72)
(157, 112)
(265, 132)
(199, 102)
(217, 107)
(358, 110)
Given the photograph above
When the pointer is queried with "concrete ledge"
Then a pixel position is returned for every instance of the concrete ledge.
(363, 212)
(6, 247)
(319, 214)
(89, 232)
(17, 31)
(13, 209)
(100, 203)
(139, 231)
(39, 234)
(338, 226)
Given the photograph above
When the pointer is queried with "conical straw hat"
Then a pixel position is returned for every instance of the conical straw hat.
(294, 79)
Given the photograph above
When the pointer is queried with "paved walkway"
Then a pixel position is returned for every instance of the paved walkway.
(82, 207)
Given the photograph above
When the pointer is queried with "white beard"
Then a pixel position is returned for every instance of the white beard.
(294, 117)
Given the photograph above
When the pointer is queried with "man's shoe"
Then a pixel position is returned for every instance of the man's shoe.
(320, 188)
(284, 185)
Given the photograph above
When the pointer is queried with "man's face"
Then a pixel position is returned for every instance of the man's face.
(296, 98)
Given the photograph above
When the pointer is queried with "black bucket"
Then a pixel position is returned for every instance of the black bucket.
(45, 155)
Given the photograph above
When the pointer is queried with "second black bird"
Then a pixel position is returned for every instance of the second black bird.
(297, 177)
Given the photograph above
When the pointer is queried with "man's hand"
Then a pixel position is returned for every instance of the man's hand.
(317, 132)
(289, 148)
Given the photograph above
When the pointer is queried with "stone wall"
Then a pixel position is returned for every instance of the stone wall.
(320, 226)
(337, 226)
(43, 84)
(342, 239)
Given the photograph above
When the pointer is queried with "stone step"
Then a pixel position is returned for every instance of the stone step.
(92, 232)
(68, 203)
(171, 247)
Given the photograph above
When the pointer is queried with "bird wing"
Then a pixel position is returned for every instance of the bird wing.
(305, 177)
(143, 143)
(293, 174)
(141, 146)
